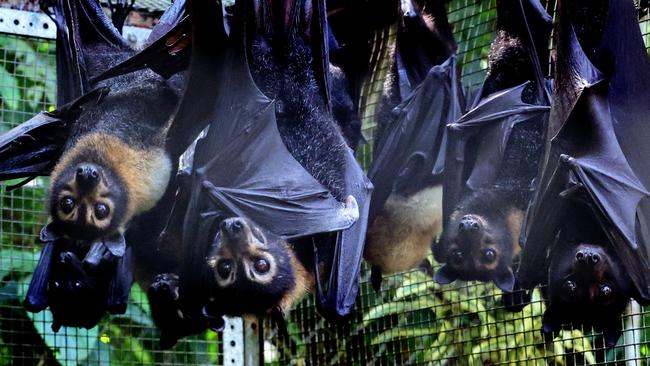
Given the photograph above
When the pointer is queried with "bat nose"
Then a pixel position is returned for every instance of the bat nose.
(87, 176)
(587, 256)
(469, 223)
(233, 226)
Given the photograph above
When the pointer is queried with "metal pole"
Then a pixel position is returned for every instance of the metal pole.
(632, 334)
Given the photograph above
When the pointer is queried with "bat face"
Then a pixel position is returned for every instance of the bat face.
(87, 200)
(588, 285)
(252, 269)
(479, 248)
(480, 240)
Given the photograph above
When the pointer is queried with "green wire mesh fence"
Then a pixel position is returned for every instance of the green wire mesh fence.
(411, 321)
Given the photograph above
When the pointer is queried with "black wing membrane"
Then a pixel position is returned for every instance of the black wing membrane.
(82, 29)
(242, 167)
(168, 47)
(597, 145)
(496, 112)
(32, 148)
(410, 153)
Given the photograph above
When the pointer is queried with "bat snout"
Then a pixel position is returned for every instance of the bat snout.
(469, 223)
(587, 256)
(234, 228)
(87, 176)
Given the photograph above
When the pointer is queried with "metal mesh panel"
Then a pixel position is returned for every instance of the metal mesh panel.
(28, 85)
(416, 321)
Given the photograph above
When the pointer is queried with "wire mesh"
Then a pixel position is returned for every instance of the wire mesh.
(413, 320)
(27, 86)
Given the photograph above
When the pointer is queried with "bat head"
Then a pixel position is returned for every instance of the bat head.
(479, 243)
(164, 288)
(251, 267)
(586, 286)
(88, 200)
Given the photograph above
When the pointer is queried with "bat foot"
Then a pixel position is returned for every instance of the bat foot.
(351, 207)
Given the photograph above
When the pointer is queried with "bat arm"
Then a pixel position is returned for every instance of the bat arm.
(351, 208)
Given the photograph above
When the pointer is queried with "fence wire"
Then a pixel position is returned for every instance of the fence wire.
(411, 321)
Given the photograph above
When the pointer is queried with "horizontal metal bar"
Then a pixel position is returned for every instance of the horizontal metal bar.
(30, 24)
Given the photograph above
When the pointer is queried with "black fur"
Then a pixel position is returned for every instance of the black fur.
(343, 109)
(306, 127)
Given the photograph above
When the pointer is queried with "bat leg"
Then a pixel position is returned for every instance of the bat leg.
(426, 267)
(375, 278)
(120, 284)
(277, 317)
(36, 298)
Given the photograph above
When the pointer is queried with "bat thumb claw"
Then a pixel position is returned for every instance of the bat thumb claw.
(351, 207)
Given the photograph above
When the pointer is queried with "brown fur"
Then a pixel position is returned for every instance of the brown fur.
(400, 236)
(304, 284)
(514, 220)
(144, 172)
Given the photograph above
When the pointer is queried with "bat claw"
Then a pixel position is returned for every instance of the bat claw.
(351, 207)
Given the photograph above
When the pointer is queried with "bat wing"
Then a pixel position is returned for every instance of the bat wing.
(168, 47)
(596, 151)
(411, 153)
(84, 35)
(472, 164)
(493, 118)
(32, 148)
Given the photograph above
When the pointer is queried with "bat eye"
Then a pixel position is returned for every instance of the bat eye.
(457, 257)
(489, 256)
(56, 284)
(262, 266)
(605, 291)
(569, 286)
(77, 285)
(224, 267)
(66, 204)
(101, 211)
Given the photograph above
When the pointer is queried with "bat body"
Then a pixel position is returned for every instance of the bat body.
(114, 165)
(494, 152)
(586, 232)
(108, 164)
(407, 168)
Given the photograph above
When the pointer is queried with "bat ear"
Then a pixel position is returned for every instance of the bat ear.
(505, 280)
(48, 234)
(445, 275)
